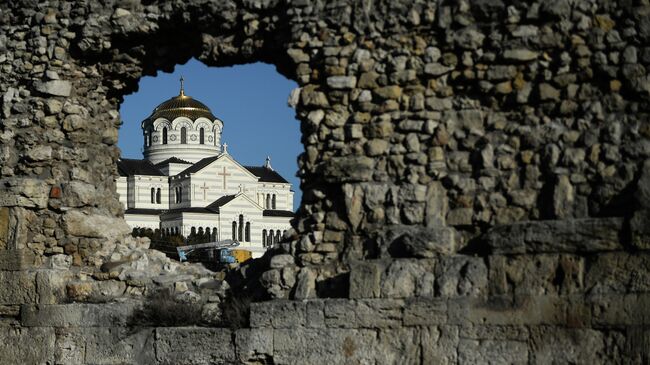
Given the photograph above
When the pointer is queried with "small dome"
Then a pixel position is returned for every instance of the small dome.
(181, 106)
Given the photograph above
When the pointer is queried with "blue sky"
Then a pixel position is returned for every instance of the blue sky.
(250, 99)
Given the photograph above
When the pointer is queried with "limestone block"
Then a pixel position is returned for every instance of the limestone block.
(254, 344)
(489, 332)
(19, 287)
(532, 310)
(414, 241)
(379, 313)
(26, 345)
(618, 272)
(116, 345)
(399, 346)
(536, 274)
(439, 345)
(348, 169)
(194, 345)
(306, 284)
(404, 278)
(14, 260)
(24, 192)
(51, 286)
(54, 87)
(425, 312)
(492, 352)
(77, 315)
(461, 275)
(365, 278)
(575, 235)
(77, 223)
(340, 313)
(570, 345)
(278, 314)
(620, 310)
(316, 346)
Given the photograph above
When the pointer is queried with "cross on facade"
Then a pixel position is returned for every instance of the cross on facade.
(224, 174)
(204, 188)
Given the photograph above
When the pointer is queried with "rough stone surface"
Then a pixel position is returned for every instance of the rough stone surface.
(475, 178)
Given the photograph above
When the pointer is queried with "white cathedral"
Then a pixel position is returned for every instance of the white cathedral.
(189, 183)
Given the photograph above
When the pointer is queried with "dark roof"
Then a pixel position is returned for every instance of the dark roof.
(205, 210)
(221, 202)
(130, 167)
(277, 213)
(143, 211)
(173, 160)
(199, 165)
(266, 174)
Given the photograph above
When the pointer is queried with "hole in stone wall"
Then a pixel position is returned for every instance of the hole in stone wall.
(210, 158)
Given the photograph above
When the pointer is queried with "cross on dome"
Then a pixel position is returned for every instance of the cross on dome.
(182, 93)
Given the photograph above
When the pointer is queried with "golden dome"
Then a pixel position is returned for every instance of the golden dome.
(181, 106)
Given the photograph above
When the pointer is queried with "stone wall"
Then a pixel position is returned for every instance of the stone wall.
(476, 181)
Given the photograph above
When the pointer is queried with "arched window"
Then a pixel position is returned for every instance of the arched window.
(164, 135)
(153, 195)
(214, 233)
(201, 231)
(268, 201)
(146, 140)
(201, 136)
(183, 135)
(149, 138)
(273, 202)
(240, 233)
(264, 238)
(277, 236)
(234, 230)
(193, 231)
(207, 232)
(180, 194)
(247, 233)
(158, 196)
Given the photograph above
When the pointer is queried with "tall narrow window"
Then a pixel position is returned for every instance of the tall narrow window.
(201, 136)
(214, 233)
(164, 135)
(273, 202)
(240, 233)
(247, 233)
(146, 140)
(180, 194)
(264, 238)
(158, 196)
(268, 201)
(149, 138)
(183, 135)
(153, 195)
(234, 230)
(193, 231)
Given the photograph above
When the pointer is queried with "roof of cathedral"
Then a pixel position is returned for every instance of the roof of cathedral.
(173, 160)
(277, 213)
(266, 174)
(181, 106)
(199, 165)
(130, 167)
(143, 211)
(221, 202)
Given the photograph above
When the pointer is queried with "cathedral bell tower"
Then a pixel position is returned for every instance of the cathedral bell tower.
(181, 127)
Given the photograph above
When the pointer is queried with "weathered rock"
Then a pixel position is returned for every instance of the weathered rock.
(54, 87)
(576, 235)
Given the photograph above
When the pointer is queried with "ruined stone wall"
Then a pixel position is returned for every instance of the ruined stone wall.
(475, 178)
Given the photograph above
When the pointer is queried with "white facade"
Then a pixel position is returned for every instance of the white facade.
(188, 182)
